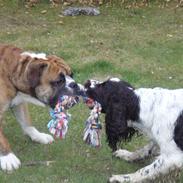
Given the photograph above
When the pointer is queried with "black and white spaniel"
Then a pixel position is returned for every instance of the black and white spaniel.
(156, 112)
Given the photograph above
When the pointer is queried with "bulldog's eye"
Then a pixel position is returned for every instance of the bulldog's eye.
(59, 81)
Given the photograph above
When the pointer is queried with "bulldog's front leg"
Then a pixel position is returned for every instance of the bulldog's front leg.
(37, 136)
(22, 116)
(8, 161)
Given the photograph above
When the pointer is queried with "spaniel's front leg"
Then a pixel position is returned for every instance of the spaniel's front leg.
(162, 165)
(150, 149)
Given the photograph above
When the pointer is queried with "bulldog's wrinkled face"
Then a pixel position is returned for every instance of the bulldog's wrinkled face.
(47, 77)
(49, 92)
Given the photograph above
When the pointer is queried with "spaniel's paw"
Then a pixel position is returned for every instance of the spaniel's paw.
(9, 162)
(119, 179)
(123, 154)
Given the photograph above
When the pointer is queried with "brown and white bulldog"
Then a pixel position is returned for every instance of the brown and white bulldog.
(29, 77)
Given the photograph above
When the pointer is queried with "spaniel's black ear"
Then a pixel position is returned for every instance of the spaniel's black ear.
(116, 122)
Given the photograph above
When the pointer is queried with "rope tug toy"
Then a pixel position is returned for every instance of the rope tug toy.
(58, 125)
(92, 131)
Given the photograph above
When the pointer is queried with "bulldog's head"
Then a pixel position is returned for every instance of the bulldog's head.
(44, 77)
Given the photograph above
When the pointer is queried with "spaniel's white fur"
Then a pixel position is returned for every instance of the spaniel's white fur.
(159, 111)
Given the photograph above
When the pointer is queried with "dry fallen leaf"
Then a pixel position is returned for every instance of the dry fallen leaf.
(61, 22)
(43, 11)
(61, 16)
(169, 35)
(66, 3)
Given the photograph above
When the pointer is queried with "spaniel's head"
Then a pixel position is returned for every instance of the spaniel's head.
(118, 102)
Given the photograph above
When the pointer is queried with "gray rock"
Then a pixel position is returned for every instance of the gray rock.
(75, 11)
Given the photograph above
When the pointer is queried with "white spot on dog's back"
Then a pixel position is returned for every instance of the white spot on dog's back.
(35, 55)
(115, 79)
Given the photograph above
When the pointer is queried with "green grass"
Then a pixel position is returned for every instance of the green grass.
(142, 46)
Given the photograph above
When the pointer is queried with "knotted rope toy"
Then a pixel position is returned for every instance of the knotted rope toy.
(58, 125)
(92, 131)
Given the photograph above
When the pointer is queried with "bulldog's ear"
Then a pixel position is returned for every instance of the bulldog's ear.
(61, 63)
(34, 73)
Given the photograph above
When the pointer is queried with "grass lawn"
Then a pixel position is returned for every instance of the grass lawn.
(143, 46)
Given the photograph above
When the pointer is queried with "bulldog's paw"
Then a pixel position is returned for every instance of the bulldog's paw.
(36, 136)
(123, 154)
(9, 162)
(43, 138)
(119, 179)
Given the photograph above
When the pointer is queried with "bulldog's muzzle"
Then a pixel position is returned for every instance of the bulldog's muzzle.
(73, 88)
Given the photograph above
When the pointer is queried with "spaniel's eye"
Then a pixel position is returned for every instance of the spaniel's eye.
(87, 84)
